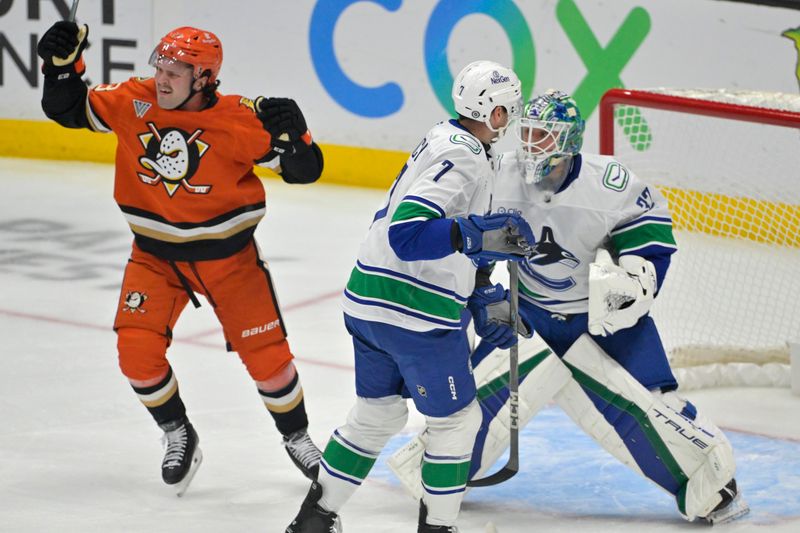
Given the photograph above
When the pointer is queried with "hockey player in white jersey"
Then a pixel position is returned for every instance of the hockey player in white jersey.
(405, 300)
(604, 241)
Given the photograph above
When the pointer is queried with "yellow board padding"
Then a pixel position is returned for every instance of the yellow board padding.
(344, 165)
(735, 217)
(714, 214)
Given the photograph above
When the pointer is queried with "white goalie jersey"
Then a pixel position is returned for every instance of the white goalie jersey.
(601, 204)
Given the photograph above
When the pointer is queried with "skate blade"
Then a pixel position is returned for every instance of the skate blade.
(183, 485)
(735, 510)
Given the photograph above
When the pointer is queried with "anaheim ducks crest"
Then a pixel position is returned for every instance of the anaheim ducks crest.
(173, 156)
(134, 300)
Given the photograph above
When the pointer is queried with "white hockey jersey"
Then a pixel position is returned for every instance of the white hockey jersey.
(601, 204)
(448, 175)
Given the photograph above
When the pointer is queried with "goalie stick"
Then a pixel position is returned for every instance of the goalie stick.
(512, 466)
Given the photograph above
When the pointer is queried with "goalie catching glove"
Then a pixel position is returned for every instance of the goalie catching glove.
(619, 295)
(490, 309)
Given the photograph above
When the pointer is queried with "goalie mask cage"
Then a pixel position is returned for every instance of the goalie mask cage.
(728, 163)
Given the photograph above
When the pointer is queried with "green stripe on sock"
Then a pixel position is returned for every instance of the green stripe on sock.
(347, 461)
(445, 475)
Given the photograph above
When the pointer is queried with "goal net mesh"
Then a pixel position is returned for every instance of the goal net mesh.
(732, 181)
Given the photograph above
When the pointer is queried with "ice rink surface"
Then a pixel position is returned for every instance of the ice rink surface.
(79, 453)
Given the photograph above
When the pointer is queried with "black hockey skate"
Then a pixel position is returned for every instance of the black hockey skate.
(312, 518)
(425, 527)
(182, 457)
(303, 452)
(730, 508)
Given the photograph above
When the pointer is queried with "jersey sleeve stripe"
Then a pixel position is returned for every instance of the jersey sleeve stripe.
(639, 221)
(425, 202)
(95, 122)
(409, 210)
(648, 249)
(644, 235)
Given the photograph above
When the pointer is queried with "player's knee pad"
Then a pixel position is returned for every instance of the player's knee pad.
(453, 434)
(264, 362)
(142, 353)
(373, 421)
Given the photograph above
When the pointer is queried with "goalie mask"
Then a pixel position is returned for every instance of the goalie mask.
(549, 132)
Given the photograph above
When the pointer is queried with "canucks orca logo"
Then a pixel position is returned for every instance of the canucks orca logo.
(174, 156)
(549, 252)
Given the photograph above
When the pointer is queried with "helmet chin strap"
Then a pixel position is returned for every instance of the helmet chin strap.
(192, 90)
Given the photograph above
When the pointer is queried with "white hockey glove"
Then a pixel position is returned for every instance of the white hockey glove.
(619, 295)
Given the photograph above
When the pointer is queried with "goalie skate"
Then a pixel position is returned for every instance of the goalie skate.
(182, 457)
(732, 506)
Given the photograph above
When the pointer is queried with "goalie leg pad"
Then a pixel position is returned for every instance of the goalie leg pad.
(541, 374)
(682, 452)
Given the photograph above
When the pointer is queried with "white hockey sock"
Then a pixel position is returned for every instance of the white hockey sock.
(354, 447)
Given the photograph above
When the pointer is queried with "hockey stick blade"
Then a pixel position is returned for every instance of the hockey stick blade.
(504, 474)
(512, 466)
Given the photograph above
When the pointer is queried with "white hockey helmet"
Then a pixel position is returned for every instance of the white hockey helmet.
(483, 85)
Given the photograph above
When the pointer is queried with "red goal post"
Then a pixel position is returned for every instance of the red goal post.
(728, 163)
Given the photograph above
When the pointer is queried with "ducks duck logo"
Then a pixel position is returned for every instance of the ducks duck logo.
(134, 301)
(174, 156)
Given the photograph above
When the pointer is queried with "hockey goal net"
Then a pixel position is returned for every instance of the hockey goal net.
(728, 163)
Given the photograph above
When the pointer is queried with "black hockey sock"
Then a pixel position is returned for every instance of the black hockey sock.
(287, 407)
(163, 400)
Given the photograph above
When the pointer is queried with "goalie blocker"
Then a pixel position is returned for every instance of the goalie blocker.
(659, 436)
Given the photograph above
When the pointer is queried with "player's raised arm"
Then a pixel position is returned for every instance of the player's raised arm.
(64, 92)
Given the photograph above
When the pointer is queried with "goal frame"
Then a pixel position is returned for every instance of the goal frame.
(666, 102)
(773, 370)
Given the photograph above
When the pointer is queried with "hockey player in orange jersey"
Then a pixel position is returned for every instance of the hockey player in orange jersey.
(185, 184)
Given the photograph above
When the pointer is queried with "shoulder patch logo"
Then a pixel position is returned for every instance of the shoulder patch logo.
(616, 177)
(248, 103)
(470, 142)
(140, 107)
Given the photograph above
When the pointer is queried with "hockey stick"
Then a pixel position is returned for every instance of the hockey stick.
(512, 466)
(73, 10)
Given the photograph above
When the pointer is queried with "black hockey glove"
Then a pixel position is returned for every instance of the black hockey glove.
(61, 46)
(285, 123)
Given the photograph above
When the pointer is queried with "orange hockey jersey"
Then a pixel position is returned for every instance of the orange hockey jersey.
(183, 180)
